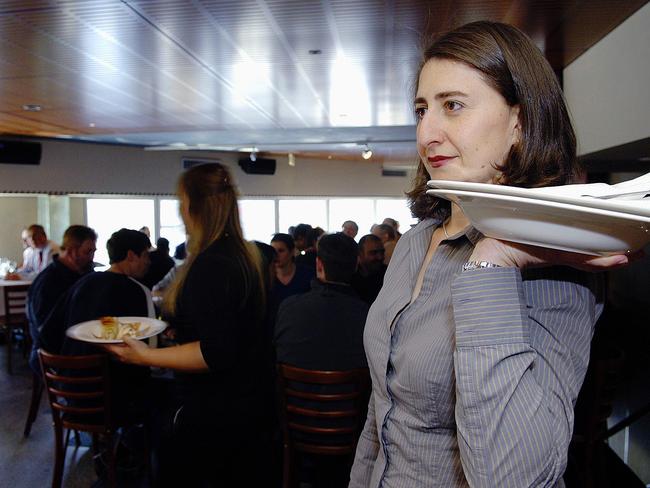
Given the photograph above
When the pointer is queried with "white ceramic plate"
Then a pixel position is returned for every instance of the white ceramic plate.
(551, 224)
(91, 331)
(634, 207)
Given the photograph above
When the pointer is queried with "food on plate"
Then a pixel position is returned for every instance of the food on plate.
(113, 329)
(110, 328)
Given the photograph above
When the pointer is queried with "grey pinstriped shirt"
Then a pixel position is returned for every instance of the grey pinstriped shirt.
(476, 381)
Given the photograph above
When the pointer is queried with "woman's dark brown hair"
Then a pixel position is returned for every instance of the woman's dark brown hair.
(512, 65)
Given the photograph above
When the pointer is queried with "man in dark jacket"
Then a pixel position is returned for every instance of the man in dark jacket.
(323, 328)
(74, 261)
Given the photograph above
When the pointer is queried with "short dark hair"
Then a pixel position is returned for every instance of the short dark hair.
(162, 243)
(75, 235)
(367, 238)
(512, 65)
(125, 240)
(286, 239)
(306, 232)
(338, 253)
(352, 223)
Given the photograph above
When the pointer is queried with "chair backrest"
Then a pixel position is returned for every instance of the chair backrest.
(15, 304)
(78, 389)
(322, 412)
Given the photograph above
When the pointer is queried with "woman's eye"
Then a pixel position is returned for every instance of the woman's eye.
(419, 112)
(452, 105)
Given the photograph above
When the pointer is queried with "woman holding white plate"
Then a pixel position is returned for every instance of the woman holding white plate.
(222, 432)
(477, 347)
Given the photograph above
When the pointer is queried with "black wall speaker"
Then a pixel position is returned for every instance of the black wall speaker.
(20, 152)
(260, 166)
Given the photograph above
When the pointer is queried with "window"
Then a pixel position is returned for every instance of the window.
(395, 209)
(107, 215)
(171, 224)
(257, 219)
(294, 212)
(360, 210)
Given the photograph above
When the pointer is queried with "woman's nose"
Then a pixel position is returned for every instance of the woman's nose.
(430, 129)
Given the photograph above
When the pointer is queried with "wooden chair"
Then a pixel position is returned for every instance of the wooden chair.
(15, 319)
(321, 413)
(78, 388)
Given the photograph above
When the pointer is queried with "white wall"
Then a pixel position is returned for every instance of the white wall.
(91, 168)
(608, 87)
(68, 167)
(17, 213)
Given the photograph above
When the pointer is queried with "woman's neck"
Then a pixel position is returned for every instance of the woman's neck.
(457, 221)
(286, 270)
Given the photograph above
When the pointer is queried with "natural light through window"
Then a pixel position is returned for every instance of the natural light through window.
(171, 224)
(107, 215)
(257, 219)
(395, 209)
(294, 212)
(360, 210)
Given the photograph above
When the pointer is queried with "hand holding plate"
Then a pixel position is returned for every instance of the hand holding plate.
(508, 254)
(132, 351)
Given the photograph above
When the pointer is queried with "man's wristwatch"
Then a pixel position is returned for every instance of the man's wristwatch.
(470, 265)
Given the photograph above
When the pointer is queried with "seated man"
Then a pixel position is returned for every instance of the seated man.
(40, 256)
(74, 261)
(369, 277)
(323, 328)
(115, 292)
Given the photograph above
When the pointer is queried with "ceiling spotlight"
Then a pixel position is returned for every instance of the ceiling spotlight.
(292, 159)
(366, 153)
(32, 107)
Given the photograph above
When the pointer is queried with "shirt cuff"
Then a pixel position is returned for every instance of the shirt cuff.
(489, 307)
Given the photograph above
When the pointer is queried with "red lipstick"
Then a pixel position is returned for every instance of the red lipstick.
(437, 161)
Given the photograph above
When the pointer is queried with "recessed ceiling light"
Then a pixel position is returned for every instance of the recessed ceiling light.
(32, 107)
(315, 51)
(92, 124)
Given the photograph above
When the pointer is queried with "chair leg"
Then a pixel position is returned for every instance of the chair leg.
(287, 471)
(37, 392)
(10, 338)
(59, 456)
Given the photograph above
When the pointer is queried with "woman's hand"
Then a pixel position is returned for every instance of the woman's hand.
(132, 351)
(504, 253)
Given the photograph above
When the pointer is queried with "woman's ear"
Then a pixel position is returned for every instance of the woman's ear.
(515, 124)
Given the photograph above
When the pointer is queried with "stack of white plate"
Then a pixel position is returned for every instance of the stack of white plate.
(552, 217)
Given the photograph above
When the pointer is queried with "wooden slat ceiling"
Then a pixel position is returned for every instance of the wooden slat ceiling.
(239, 73)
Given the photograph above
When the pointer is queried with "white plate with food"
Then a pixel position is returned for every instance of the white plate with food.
(112, 330)
(551, 224)
(634, 207)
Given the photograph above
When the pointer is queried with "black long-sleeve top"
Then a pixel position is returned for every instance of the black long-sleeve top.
(225, 314)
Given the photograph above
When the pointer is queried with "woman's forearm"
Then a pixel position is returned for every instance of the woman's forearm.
(187, 357)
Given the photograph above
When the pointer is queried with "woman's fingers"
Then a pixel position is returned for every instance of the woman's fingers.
(525, 256)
